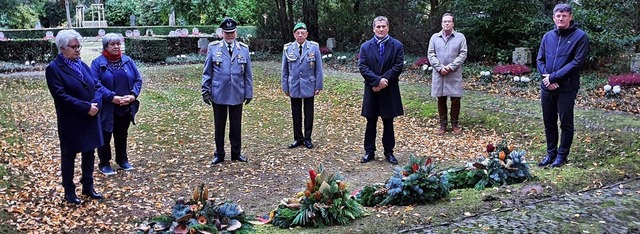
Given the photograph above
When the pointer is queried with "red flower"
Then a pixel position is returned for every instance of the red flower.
(428, 162)
(405, 173)
(312, 175)
(415, 167)
(490, 148)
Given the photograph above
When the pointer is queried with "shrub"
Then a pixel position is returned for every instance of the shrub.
(146, 49)
(422, 61)
(23, 50)
(625, 79)
(513, 69)
(325, 50)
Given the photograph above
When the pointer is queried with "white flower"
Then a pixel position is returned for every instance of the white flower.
(524, 79)
(344, 57)
(607, 88)
(430, 68)
(26, 63)
(183, 56)
(425, 67)
(324, 56)
(616, 89)
(485, 73)
(405, 62)
(329, 55)
(249, 35)
(516, 78)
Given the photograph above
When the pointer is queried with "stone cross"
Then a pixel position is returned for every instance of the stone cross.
(522, 56)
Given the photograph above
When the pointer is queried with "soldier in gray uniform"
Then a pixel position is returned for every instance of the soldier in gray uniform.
(227, 83)
(301, 81)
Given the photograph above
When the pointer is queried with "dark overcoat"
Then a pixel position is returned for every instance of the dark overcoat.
(133, 78)
(387, 102)
(72, 96)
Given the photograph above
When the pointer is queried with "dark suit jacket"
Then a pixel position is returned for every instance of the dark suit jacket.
(72, 96)
(387, 102)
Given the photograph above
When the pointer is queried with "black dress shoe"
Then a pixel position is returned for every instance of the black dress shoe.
(560, 161)
(367, 158)
(548, 159)
(72, 198)
(217, 159)
(308, 144)
(392, 159)
(239, 158)
(92, 193)
(295, 144)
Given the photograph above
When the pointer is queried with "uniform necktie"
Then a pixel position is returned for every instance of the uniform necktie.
(230, 51)
(300, 50)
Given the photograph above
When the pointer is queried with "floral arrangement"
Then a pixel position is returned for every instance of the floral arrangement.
(625, 79)
(502, 166)
(612, 92)
(415, 183)
(513, 69)
(199, 215)
(325, 50)
(325, 201)
(422, 61)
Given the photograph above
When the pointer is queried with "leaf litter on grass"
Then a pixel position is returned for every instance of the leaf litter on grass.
(172, 146)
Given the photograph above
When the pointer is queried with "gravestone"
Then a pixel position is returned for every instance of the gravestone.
(172, 33)
(331, 43)
(172, 18)
(129, 33)
(184, 32)
(38, 25)
(219, 32)
(132, 18)
(101, 32)
(136, 33)
(48, 35)
(522, 56)
(203, 45)
(635, 63)
(2, 36)
(149, 32)
(195, 31)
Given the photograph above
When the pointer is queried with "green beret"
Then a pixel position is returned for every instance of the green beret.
(299, 26)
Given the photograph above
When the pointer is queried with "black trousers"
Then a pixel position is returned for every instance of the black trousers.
(388, 135)
(120, 132)
(554, 105)
(235, 124)
(296, 113)
(67, 167)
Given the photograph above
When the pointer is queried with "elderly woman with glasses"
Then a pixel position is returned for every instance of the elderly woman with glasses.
(77, 96)
(118, 73)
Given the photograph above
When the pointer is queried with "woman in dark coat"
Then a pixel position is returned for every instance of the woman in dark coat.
(77, 97)
(118, 73)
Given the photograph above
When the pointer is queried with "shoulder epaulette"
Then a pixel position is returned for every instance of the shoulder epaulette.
(287, 45)
(314, 43)
(214, 43)
(243, 45)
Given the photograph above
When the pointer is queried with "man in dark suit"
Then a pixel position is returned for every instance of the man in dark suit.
(227, 84)
(381, 62)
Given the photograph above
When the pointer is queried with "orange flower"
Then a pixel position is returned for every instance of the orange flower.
(511, 148)
(202, 219)
(307, 193)
(317, 195)
(310, 186)
(342, 185)
(502, 155)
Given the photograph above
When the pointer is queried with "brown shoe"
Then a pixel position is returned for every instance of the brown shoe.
(457, 130)
(442, 130)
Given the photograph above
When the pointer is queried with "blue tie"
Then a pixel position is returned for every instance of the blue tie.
(381, 51)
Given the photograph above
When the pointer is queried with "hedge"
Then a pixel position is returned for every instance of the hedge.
(243, 31)
(27, 50)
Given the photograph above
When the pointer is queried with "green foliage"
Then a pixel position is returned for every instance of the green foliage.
(152, 13)
(118, 12)
(146, 49)
(414, 183)
(325, 202)
(23, 50)
(52, 14)
(22, 17)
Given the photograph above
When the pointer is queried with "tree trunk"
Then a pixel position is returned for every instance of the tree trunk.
(310, 17)
(281, 9)
(66, 5)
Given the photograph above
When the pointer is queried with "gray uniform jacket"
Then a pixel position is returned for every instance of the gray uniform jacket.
(301, 74)
(441, 53)
(228, 78)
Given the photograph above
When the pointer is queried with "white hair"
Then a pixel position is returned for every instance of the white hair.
(64, 36)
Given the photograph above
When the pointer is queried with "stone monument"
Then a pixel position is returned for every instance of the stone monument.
(331, 43)
(635, 63)
(522, 56)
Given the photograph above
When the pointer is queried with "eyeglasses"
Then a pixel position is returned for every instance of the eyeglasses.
(75, 47)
